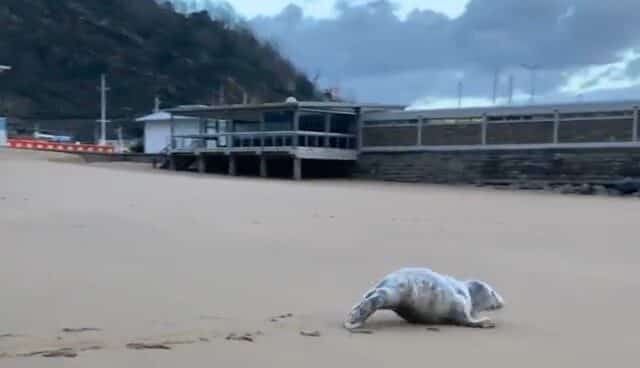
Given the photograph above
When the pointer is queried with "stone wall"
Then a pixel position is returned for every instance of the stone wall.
(520, 133)
(619, 130)
(451, 135)
(390, 136)
(471, 166)
(606, 130)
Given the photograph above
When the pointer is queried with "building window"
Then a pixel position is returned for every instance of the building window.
(278, 120)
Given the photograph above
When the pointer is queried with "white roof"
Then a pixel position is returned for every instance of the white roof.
(161, 116)
(468, 112)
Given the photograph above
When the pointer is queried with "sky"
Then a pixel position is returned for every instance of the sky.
(445, 53)
(327, 9)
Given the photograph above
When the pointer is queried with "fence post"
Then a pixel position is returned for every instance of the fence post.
(484, 129)
(296, 127)
(420, 122)
(327, 128)
(360, 129)
(635, 124)
(262, 130)
(556, 126)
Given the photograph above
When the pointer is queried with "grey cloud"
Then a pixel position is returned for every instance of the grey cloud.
(422, 54)
(633, 69)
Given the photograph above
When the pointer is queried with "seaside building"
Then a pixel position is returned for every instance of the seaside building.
(393, 143)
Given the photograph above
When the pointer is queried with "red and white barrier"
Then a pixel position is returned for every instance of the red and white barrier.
(37, 145)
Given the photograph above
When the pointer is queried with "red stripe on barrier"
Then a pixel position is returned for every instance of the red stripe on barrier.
(57, 147)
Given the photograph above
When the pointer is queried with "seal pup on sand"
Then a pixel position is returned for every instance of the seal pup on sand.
(420, 295)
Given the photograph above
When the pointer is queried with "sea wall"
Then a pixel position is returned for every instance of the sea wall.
(592, 164)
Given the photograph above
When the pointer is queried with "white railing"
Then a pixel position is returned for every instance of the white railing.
(262, 140)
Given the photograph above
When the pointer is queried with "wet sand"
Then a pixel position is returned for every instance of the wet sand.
(184, 260)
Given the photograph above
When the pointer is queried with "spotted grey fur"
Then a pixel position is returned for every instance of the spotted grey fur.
(420, 295)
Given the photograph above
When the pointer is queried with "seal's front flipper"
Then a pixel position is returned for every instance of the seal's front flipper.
(464, 317)
(481, 323)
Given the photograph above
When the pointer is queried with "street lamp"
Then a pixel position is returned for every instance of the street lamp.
(3, 132)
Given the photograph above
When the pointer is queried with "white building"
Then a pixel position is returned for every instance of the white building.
(159, 126)
(3, 132)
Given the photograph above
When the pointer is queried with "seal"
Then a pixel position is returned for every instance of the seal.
(423, 296)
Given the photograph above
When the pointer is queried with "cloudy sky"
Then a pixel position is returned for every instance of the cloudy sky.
(421, 51)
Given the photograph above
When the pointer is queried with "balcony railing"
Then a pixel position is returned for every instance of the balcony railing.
(262, 140)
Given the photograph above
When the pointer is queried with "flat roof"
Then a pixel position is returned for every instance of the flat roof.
(542, 109)
(383, 112)
(336, 107)
(161, 116)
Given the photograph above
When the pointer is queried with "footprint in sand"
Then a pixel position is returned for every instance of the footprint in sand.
(281, 317)
(92, 348)
(247, 337)
(165, 344)
(64, 352)
(81, 330)
(51, 353)
(180, 342)
(8, 336)
(147, 346)
(314, 333)
(61, 353)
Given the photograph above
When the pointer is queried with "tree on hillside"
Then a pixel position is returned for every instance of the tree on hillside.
(145, 48)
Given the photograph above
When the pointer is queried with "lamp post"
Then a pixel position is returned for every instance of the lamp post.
(103, 110)
(3, 133)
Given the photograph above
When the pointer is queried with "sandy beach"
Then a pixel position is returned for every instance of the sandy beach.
(184, 260)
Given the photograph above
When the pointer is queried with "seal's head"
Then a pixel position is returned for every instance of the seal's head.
(483, 297)
(358, 315)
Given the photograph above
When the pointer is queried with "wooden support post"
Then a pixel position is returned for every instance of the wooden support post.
(172, 163)
(556, 126)
(635, 123)
(201, 163)
(297, 168)
(232, 166)
(263, 166)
